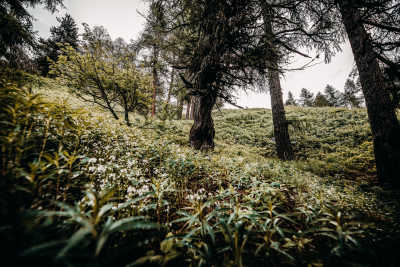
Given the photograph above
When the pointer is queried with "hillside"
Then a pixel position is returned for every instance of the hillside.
(141, 194)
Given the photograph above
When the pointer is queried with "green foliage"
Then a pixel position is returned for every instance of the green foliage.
(231, 207)
(290, 101)
(320, 101)
(326, 141)
(49, 49)
(306, 98)
(104, 76)
(333, 96)
(17, 30)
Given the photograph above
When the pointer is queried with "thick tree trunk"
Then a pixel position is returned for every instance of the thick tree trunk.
(188, 109)
(179, 108)
(202, 132)
(383, 121)
(194, 102)
(281, 133)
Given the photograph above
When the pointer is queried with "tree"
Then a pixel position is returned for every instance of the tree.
(16, 34)
(213, 55)
(333, 96)
(290, 101)
(65, 33)
(392, 80)
(306, 98)
(281, 132)
(152, 39)
(321, 101)
(104, 72)
(351, 97)
(384, 123)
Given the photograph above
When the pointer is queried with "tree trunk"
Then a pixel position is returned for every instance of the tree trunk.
(382, 117)
(202, 132)
(179, 108)
(155, 80)
(281, 133)
(188, 109)
(194, 102)
(171, 85)
(105, 98)
(126, 110)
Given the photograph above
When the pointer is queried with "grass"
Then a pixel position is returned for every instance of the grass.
(103, 193)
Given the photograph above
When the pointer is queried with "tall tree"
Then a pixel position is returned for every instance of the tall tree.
(214, 55)
(152, 40)
(281, 132)
(320, 101)
(384, 123)
(16, 31)
(290, 101)
(351, 95)
(333, 96)
(306, 98)
(66, 33)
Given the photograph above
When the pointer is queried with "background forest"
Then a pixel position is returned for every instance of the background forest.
(117, 152)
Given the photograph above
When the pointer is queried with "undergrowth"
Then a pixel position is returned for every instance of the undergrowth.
(81, 189)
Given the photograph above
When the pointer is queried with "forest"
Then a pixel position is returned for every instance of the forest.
(122, 152)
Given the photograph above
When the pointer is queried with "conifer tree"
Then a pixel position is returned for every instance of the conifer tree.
(320, 101)
(351, 95)
(306, 98)
(66, 33)
(290, 101)
(17, 34)
(367, 51)
(333, 96)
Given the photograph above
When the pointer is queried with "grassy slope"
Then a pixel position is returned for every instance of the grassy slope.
(329, 144)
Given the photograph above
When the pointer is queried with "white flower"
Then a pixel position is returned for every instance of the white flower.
(131, 162)
(92, 160)
(101, 168)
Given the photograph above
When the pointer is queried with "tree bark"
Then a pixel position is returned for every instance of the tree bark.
(281, 133)
(202, 132)
(194, 102)
(171, 85)
(126, 110)
(155, 80)
(179, 108)
(105, 98)
(188, 109)
(382, 117)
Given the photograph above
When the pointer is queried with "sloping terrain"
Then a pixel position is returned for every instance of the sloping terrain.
(113, 194)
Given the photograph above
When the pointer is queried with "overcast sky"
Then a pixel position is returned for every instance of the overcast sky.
(121, 19)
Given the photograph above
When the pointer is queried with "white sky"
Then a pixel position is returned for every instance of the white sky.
(121, 19)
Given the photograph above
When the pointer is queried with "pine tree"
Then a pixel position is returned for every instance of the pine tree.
(351, 95)
(66, 33)
(290, 101)
(306, 98)
(17, 34)
(333, 96)
(385, 126)
(320, 101)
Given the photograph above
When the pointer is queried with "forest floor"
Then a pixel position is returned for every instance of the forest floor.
(141, 195)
